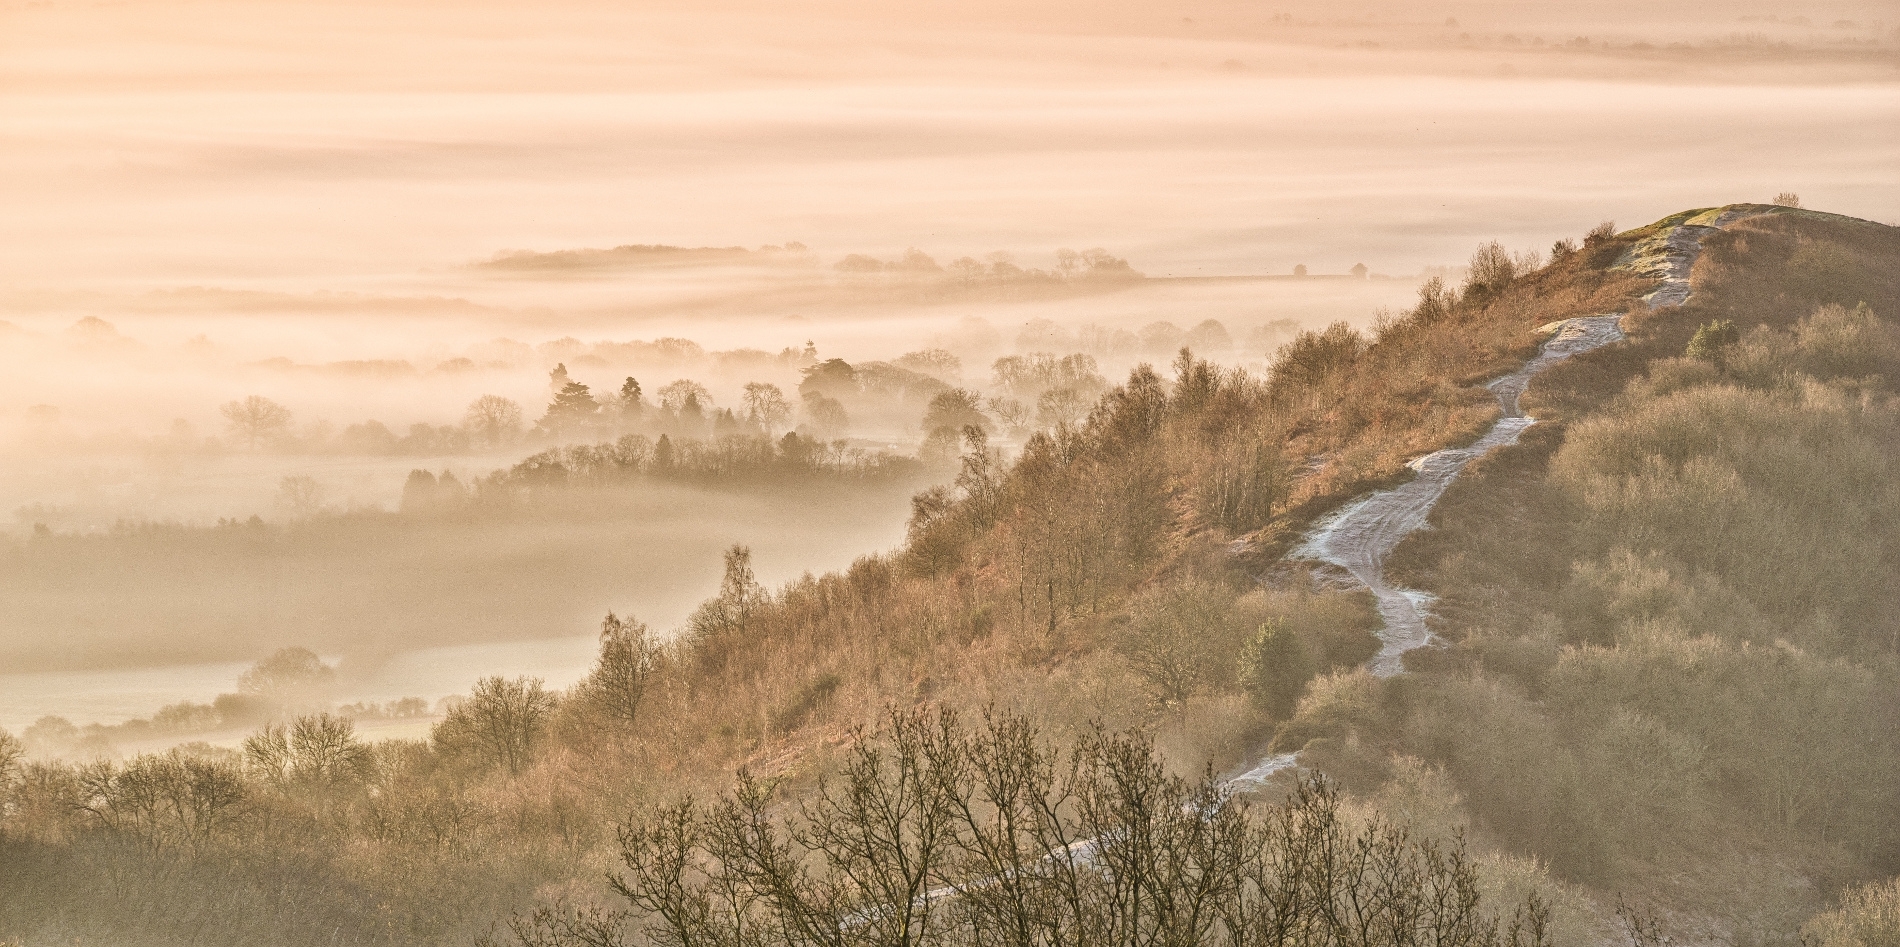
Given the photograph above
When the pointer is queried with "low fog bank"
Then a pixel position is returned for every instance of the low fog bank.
(370, 585)
(242, 479)
(384, 693)
(124, 420)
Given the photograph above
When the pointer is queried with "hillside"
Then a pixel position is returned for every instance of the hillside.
(1673, 615)
(1664, 623)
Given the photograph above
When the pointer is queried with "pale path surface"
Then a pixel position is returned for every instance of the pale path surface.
(1359, 536)
(1671, 254)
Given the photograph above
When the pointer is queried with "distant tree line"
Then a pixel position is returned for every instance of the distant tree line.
(997, 272)
(732, 459)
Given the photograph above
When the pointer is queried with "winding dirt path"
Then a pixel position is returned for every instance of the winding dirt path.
(1359, 536)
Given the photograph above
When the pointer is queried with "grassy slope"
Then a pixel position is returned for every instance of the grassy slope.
(1673, 606)
(978, 600)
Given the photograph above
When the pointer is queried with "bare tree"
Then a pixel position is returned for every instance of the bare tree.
(1013, 414)
(1175, 637)
(1493, 268)
(162, 800)
(938, 834)
(317, 753)
(1026, 376)
(11, 751)
(629, 657)
(1243, 484)
(493, 419)
(500, 723)
(255, 419)
(1068, 262)
(766, 404)
(1060, 408)
(1312, 357)
(674, 394)
(726, 617)
(939, 363)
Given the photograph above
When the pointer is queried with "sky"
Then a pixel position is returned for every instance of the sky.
(371, 147)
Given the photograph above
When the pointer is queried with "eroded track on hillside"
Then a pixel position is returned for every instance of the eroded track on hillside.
(1359, 536)
(1355, 540)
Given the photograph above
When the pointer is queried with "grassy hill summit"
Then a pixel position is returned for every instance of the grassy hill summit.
(1658, 701)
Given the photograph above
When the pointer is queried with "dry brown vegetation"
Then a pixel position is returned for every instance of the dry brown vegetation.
(1676, 612)
(1095, 581)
